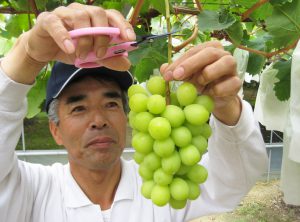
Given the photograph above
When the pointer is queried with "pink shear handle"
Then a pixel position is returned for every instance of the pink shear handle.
(91, 60)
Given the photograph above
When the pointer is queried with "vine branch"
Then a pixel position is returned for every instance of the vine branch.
(247, 13)
(10, 10)
(269, 54)
(184, 10)
(199, 6)
(90, 2)
(136, 11)
(34, 7)
(195, 32)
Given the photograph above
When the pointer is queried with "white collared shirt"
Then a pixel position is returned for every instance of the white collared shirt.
(37, 193)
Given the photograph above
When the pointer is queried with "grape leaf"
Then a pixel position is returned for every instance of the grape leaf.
(262, 12)
(36, 96)
(284, 24)
(255, 63)
(112, 5)
(282, 88)
(235, 32)
(156, 51)
(159, 6)
(144, 69)
(20, 4)
(279, 2)
(5, 45)
(212, 20)
(17, 24)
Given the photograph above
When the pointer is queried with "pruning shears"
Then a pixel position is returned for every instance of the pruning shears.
(117, 45)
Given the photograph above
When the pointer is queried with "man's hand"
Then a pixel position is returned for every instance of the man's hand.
(49, 40)
(213, 71)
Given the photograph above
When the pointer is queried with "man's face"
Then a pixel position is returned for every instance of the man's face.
(92, 123)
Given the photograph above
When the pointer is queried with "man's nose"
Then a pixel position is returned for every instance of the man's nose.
(98, 120)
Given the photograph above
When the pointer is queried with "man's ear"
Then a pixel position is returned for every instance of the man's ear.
(54, 129)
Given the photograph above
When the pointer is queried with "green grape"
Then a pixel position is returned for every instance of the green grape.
(183, 170)
(177, 204)
(141, 121)
(186, 93)
(164, 148)
(145, 172)
(138, 103)
(174, 100)
(197, 174)
(152, 161)
(134, 89)
(205, 130)
(195, 130)
(171, 164)
(179, 189)
(169, 140)
(201, 143)
(160, 195)
(196, 114)
(142, 142)
(181, 136)
(161, 177)
(175, 115)
(138, 157)
(131, 116)
(146, 188)
(194, 190)
(156, 104)
(159, 128)
(189, 155)
(206, 101)
(156, 85)
(134, 132)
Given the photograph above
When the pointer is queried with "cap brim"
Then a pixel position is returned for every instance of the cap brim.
(123, 78)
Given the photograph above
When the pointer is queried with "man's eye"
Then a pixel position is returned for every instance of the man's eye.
(112, 104)
(78, 109)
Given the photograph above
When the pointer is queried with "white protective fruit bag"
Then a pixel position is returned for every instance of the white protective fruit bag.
(284, 117)
(269, 111)
(290, 170)
(294, 149)
(241, 57)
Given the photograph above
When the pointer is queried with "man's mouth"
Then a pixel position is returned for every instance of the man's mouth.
(101, 142)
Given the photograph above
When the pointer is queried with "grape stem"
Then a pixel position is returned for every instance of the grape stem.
(189, 40)
(168, 100)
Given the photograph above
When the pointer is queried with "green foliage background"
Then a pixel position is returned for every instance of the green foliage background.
(273, 26)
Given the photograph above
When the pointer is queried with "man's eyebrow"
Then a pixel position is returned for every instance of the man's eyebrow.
(112, 94)
(74, 99)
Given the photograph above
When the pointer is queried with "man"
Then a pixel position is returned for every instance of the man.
(87, 116)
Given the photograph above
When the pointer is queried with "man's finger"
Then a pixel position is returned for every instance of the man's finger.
(99, 18)
(77, 17)
(51, 25)
(191, 52)
(116, 19)
(197, 62)
(225, 87)
(120, 63)
(226, 65)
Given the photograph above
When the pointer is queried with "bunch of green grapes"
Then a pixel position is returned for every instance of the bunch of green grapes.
(169, 140)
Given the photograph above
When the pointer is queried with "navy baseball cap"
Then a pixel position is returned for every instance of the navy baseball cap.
(62, 74)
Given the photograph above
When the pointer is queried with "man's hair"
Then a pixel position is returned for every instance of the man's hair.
(53, 106)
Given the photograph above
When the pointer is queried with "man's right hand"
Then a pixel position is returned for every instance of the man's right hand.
(49, 40)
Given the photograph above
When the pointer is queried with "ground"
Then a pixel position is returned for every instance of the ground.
(263, 204)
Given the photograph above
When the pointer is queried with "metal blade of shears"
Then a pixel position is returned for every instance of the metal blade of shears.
(150, 38)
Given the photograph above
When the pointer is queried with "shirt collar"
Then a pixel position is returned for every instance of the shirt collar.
(75, 197)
